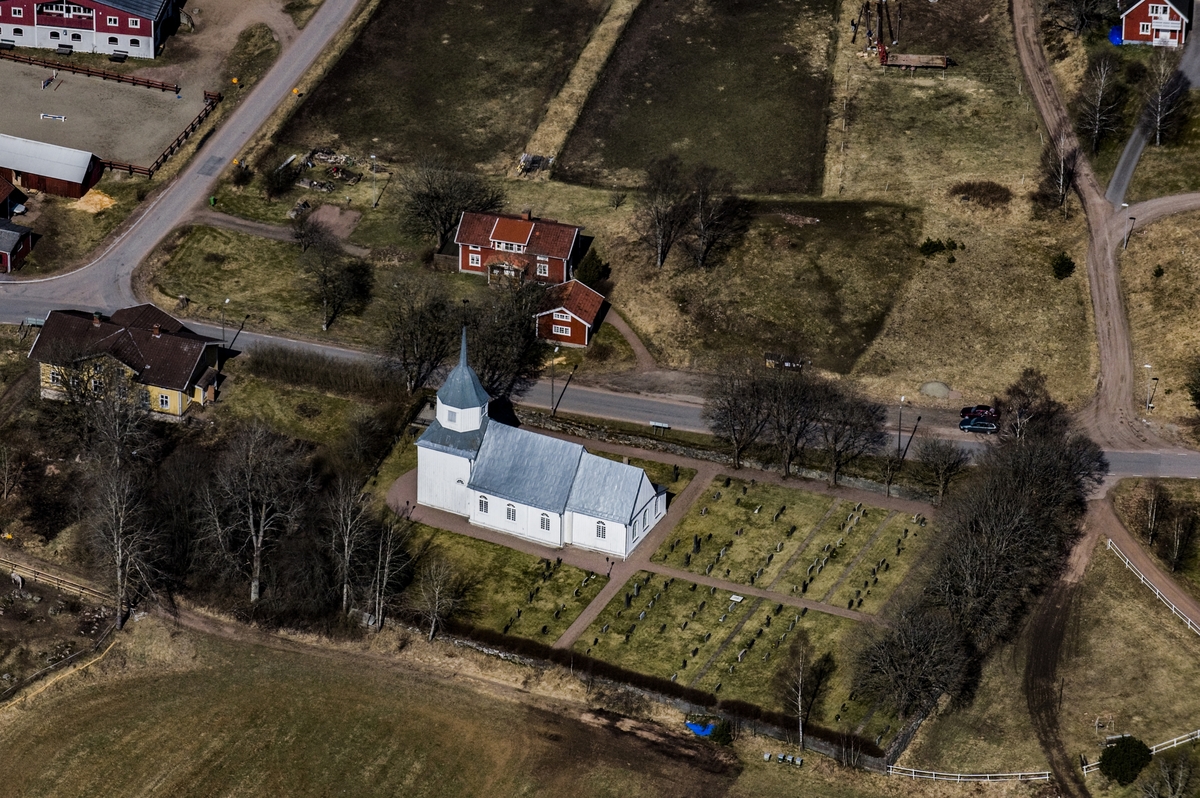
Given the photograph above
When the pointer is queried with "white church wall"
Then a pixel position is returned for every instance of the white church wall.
(584, 535)
(442, 481)
(526, 524)
(459, 420)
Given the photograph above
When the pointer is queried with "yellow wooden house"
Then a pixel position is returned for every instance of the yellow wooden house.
(170, 368)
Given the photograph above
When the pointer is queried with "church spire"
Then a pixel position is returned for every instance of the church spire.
(462, 352)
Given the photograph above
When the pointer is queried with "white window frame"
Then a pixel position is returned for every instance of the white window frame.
(561, 316)
(164, 401)
(558, 329)
(113, 40)
(76, 37)
(452, 416)
(55, 377)
(543, 269)
(475, 260)
(18, 13)
(54, 35)
(134, 43)
(483, 504)
(510, 512)
(473, 248)
(1144, 29)
(601, 530)
(545, 522)
(113, 22)
(18, 31)
(135, 23)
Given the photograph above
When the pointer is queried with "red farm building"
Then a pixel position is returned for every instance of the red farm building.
(570, 314)
(117, 27)
(15, 243)
(517, 247)
(1162, 23)
(35, 165)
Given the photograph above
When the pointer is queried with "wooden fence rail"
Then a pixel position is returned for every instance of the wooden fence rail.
(56, 582)
(933, 775)
(1194, 626)
(211, 98)
(103, 74)
(28, 680)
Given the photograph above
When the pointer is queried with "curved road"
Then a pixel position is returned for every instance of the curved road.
(104, 284)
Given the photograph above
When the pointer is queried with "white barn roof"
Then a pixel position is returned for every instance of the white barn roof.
(47, 160)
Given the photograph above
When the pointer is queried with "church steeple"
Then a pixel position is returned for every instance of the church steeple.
(461, 401)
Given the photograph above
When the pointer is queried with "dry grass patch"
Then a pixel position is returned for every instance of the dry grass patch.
(1163, 309)
(1128, 659)
(1126, 497)
(1173, 168)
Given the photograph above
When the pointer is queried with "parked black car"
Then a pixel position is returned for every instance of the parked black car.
(979, 411)
(981, 425)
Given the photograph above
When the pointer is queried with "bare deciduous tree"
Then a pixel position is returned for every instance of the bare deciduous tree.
(941, 461)
(663, 207)
(717, 217)
(735, 407)
(421, 330)
(1153, 505)
(803, 680)
(1075, 16)
(312, 234)
(435, 194)
(1179, 533)
(793, 409)
(1100, 102)
(1172, 774)
(436, 594)
(122, 535)
(851, 426)
(392, 539)
(913, 662)
(335, 282)
(12, 465)
(1060, 161)
(347, 511)
(1165, 97)
(257, 496)
(504, 347)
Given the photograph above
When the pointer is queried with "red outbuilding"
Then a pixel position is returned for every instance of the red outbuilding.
(1162, 23)
(131, 28)
(15, 243)
(39, 166)
(570, 314)
(517, 247)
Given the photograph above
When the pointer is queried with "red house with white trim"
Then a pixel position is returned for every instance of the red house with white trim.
(517, 247)
(571, 313)
(1162, 23)
(116, 27)
(15, 242)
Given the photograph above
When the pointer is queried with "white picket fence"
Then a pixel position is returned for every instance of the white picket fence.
(1193, 625)
(1092, 767)
(894, 770)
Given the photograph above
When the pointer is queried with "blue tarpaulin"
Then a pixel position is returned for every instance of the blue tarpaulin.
(1114, 35)
(701, 729)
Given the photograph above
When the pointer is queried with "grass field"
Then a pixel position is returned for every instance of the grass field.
(1173, 168)
(992, 734)
(505, 578)
(742, 86)
(65, 234)
(467, 80)
(1127, 660)
(1125, 498)
(975, 322)
(1162, 309)
(262, 277)
(879, 567)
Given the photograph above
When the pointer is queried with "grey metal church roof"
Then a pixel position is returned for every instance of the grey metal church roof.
(525, 467)
(464, 444)
(606, 489)
(462, 389)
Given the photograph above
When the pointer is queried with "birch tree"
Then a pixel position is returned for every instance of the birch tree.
(347, 511)
(436, 593)
(663, 207)
(1100, 102)
(1165, 96)
(123, 536)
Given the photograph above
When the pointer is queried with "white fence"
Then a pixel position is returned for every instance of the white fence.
(1092, 767)
(1195, 627)
(933, 775)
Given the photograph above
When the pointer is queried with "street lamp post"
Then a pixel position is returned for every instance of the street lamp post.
(374, 179)
(1128, 230)
(553, 361)
(900, 427)
(223, 319)
(1149, 387)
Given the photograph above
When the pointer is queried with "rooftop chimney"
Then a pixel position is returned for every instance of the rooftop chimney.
(527, 215)
(95, 319)
(157, 330)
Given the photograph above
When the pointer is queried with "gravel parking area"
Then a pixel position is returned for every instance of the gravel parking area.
(115, 121)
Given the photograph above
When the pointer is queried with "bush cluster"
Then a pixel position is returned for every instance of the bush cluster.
(984, 193)
(297, 367)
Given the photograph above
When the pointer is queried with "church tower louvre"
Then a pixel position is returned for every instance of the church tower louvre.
(461, 401)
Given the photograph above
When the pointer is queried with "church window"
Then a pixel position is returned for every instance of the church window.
(601, 532)
(644, 517)
(483, 504)
(452, 416)
(510, 512)
(545, 523)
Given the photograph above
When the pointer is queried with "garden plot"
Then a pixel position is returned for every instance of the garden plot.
(820, 566)
(879, 568)
(662, 627)
(516, 593)
(744, 531)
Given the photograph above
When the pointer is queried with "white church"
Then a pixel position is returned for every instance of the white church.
(532, 486)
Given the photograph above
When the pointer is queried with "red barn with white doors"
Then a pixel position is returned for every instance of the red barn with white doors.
(122, 27)
(1162, 23)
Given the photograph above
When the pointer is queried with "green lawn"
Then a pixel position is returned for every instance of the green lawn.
(299, 412)
(505, 578)
(764, 543)
(833, 549)
(401, 460)
(66, 235)
(881, 567)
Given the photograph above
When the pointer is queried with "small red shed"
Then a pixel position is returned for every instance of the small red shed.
(15, 242)
(1162, 23)
(570, 314)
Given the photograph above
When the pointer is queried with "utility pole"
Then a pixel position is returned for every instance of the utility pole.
(374, 193)
(1128, 230)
